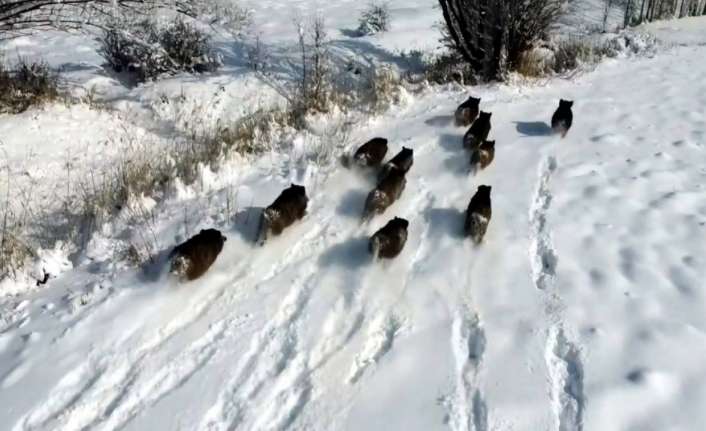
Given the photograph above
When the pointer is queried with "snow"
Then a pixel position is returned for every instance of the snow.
(583, 308)
(584, 17)
(685, 31)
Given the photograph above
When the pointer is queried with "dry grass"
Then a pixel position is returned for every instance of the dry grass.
(148, 169)
(14, 252)
(254, 133)
(25, 85)
(536, 62)
(564, 56)
(385, 88)
(447, 68)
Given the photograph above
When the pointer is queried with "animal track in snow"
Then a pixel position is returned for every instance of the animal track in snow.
(110, 385)
(469, 411)
(566, 373)
(271, 353)
(68, 394)
(544, 259)
(168, 378)
(381, 337)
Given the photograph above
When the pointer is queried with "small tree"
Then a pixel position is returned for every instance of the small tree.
(629, 12)
(315, 80)
(375, 19)
(606, 13)
(475, 32)
(492, 35)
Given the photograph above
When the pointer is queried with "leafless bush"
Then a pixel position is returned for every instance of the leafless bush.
(25, 85)
(188, 47)
(254, 133)
(570, 54)
(566, 55)
(149, 51)
(374, 19)
(449, 67)
(537, 62)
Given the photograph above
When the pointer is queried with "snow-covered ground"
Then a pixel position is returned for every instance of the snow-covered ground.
(583, 309)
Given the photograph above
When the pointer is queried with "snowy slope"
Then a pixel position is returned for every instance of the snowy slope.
(43, 150)
(584, 308)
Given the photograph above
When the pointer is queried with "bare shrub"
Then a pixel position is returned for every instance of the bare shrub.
(537, 62)
(254, 133)
(568, 54)
(449, 67)
(188, 48)
(25, 85)
(149, 51)
(374, 19)
(571, 53)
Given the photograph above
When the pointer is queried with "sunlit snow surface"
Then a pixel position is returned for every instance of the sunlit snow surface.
(584, 309)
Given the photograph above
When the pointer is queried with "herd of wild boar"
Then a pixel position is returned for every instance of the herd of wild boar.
(194, 257)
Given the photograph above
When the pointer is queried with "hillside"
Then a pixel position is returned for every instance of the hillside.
(582, 310)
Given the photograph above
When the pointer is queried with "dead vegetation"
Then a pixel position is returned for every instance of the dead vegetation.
(26, 84)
